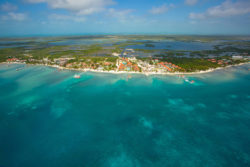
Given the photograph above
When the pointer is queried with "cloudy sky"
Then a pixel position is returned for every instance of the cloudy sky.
(66, 17)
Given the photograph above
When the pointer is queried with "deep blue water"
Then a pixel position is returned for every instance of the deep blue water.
(48, 118)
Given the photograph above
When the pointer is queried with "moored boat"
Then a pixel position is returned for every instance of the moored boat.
(77, 76)
(18, 69)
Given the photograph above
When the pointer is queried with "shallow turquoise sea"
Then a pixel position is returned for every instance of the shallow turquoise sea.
(50, 119)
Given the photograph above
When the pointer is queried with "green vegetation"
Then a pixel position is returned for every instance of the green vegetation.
(10, 52)
(233, 49)
(96, 59)
(92, 49)
(149, 45)
(32, 50)
(117, 50)
(192, 64)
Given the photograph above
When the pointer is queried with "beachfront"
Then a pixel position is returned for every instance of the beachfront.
(130, 72)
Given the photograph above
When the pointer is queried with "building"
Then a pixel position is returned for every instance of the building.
(237, 57)
(115, 54)
(62, 61)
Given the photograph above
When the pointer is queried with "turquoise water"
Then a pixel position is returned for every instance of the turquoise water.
(48, 118)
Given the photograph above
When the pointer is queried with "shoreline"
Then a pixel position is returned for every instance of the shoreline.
(132, 72)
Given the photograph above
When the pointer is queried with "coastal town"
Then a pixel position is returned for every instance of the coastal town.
(127, 61)
(124, 83)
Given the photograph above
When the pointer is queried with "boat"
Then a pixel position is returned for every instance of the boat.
(77, 76)
(18, 69)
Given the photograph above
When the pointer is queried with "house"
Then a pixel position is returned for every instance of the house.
(237, 57)
(136, 68)
(100, 68)
(163, 65)
(107, 63)
(122, 66)
(156, 60)
(115, 54)
(13, 60)
(69, 65)
(62, 61)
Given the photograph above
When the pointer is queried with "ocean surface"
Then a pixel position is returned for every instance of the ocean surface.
(50, 119)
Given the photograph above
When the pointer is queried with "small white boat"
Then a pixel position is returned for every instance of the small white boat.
(18, 69)
(77, 76)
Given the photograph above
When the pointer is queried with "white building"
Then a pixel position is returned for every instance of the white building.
(237, 57)
(130, 50)
(115, 54)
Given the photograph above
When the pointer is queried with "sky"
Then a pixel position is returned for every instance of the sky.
(77, 17)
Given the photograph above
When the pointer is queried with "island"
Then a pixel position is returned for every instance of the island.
(162, 54)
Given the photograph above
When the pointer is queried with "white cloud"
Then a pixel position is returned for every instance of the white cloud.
(81, 7)
(226, 9)
(191, 2)
(161, 9)
(122, 16)
(119, 13)
(8, 7)
(67, 18)
(197, 16)
(14, 16)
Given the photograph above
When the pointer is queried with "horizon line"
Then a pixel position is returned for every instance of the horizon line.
(118, 34)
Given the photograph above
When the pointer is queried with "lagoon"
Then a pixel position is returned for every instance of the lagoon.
(48, 118)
